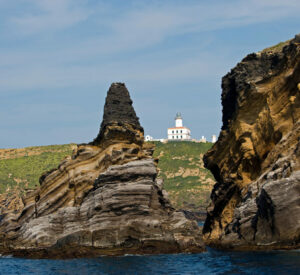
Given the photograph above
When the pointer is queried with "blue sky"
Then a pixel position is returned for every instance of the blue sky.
(59, 57)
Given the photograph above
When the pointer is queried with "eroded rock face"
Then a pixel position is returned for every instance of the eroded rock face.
(120, 123)
(256, 162)
(104, 200)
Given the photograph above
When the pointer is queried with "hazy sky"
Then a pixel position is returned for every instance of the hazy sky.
(59, 57)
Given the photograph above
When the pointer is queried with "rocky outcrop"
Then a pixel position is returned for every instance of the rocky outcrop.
(256, 160)
(120, 123)
(104, 200)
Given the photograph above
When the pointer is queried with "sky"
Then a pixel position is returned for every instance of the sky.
(59, 57)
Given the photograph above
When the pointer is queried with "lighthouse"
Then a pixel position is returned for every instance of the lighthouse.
(179, 132)
(178, 120)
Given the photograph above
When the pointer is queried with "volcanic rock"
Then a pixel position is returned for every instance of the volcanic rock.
(104, 200)
(255, 203)
(120, 123)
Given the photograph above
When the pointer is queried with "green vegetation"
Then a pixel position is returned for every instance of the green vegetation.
(180, 164)
(23, 167)
(188, 183)
(277, 48)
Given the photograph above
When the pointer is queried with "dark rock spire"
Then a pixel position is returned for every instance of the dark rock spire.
(120, 122)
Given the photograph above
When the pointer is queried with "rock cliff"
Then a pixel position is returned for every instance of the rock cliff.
(104, 200)
(255, 203)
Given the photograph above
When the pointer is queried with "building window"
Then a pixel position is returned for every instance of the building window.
(176, 136)
(172, 132)
(176, 131)
(180, 131)
(181, 136)
(172, 136)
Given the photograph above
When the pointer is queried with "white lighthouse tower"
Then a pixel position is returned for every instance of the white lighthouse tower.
(178, 120)
(179, 132)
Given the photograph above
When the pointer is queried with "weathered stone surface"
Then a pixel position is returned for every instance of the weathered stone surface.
(104, 200)
(256, 201)
(120, 122)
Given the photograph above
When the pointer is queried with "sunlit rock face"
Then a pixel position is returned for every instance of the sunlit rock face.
(256, 160)
(103, 200)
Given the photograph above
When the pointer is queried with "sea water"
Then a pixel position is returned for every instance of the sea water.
(210, 262)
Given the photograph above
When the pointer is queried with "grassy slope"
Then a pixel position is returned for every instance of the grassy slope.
(187, 181)
(23, 167)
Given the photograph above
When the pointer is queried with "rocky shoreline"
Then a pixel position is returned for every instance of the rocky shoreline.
(106, 199)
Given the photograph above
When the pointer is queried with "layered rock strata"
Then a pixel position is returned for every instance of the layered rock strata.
(256, 160)
(104, 200)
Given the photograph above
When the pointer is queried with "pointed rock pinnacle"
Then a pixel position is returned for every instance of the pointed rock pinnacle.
(120, 122)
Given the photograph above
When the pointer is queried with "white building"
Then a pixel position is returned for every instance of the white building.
(179, 132)
(213, 138)
(203, 139)
(148, 138)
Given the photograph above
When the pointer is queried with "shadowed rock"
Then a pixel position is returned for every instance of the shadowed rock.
(120, 122)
